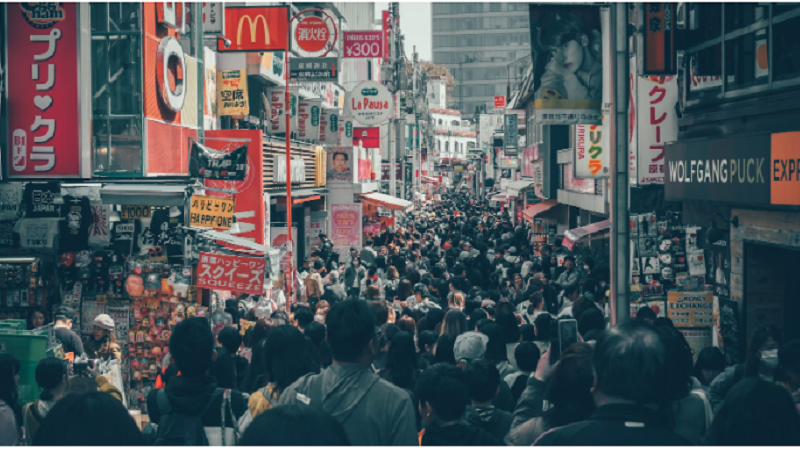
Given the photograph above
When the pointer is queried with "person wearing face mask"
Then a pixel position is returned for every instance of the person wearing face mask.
(762, 362)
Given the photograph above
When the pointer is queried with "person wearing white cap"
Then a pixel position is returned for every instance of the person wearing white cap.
(103, 344)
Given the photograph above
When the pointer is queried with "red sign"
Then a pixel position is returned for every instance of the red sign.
(387, 30)
(500, 102)
(231, 273)
(363, 44)
(364, 169)
(42, 88)
(250, 207)
(255, 28)
(368, 137)
(312, 34)
(660, 53)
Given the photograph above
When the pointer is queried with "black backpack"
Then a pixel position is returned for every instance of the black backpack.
(177, 429)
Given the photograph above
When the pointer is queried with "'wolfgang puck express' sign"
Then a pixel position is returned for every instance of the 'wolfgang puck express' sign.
(758, 170)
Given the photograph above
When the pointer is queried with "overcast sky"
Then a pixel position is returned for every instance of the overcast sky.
(415, 24)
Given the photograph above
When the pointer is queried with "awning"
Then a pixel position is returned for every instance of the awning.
(246, 245)
(572, 236)
(143, 194)
(538, 208)
(516, 186)
(430, 180)
(502, 198)
(387, 201)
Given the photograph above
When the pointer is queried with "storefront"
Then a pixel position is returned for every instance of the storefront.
(379, 211)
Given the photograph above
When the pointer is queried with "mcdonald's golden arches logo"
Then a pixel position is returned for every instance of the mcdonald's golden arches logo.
(256, 28)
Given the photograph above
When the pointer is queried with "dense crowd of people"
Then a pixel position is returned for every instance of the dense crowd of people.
(446, 330)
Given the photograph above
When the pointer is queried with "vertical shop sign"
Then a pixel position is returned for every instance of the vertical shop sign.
(345, 227)
(233, 95)
(329, 126)
(633, 125)
(387, 30)
(277, 103)
(511, 136)
(658, 124)
(308, 118)
(592, 151)
(42, 89)
(657, 39)
(346, 131)
(213, 18)
(210, 95)
(280, 241)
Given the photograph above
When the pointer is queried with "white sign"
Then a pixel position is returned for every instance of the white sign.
(277, 103)
(309, 113)
(658, 124)
(329, 126)
(346, 131)
(279, 169)
(370, 103)
(633, 135)
(214, 18)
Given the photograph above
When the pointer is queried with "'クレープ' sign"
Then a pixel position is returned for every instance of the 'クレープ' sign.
(211, 212)
(231, 273)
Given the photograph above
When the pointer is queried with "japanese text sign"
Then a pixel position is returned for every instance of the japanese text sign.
(658, 36)
(691, 309)
(231, 273)
(499, 102)
(511, 134)
(345, 227)
(255, 28)
(233, 95)
(363, 44)
(592, 151)
(368, 137)
(213, 18)
(211, 212)
(386, 22)
(42, 89)
(309, 113)
(312, 34)
(314, 69)
(658, 124)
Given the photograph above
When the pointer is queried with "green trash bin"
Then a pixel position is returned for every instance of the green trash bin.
(29, 347)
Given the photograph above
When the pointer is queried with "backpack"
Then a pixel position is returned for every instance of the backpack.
(177, 429)
(520, 383)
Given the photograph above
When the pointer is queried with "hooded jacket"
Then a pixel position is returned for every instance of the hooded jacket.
(372, 411)
(457, 436)
(495, 421)
(188, 395)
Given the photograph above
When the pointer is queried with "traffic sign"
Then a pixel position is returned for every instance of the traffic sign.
(363, 44)
(500, 102)
(314, 69)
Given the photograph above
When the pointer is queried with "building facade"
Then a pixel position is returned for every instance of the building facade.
(477, 42)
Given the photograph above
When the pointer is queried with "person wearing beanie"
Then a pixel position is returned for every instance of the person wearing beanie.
(103, 344)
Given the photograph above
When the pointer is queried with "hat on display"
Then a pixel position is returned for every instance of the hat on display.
(104, 321)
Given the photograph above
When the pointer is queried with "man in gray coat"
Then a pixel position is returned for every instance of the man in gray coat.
(372, 411)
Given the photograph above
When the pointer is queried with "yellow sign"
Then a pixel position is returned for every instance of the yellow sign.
(232, 88)
(211, 212)
(691, 309)
(135, 212)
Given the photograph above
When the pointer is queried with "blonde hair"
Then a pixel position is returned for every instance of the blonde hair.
(457, 301)
(391, 273)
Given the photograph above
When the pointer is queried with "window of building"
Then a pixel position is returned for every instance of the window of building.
(116, 88)
(738, 49)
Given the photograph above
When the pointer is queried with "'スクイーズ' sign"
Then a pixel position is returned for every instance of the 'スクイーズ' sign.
(211, 212)
(231, 273)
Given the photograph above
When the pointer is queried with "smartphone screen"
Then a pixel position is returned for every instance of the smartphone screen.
(567, 334)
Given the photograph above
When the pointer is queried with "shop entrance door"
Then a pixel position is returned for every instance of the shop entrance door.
(771, 289)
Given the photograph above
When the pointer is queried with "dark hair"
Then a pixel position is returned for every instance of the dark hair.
(401, 361)
(709, 358)
(407, 323)
(427, 337)
(9, 368)
(663, 322)
(35, 309)
(569, 290)
(294, 425)
(304, 316)
(508, 325)
(346, 157)
(455, 323)
(90, 419)
(287, 356)
(527, 356)
(280, 315)
(591, 319)
(230, 339)
(224, 370)
(381, 312)
(475, 317)
(679, 363)
(755, 412)
(49, 373)
(404, 290)
(435, 316)
(444, 349)
(483, 379)
(646, 313)
(191, 345)
(496, 347)
(760, 336)
(789, 356)
(256, 372)
(444, 387)
(351, 328)
(316, 332)
(631, 359)
(570, 386)
(528, 332)
(544, 323)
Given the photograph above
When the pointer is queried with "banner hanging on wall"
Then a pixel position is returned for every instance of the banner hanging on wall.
(568, 74)
(345, 227)
(205, 162)
(308, 119)
(657, 123)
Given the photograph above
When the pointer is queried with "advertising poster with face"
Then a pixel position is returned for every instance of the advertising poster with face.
(340, 165)
(648, 246)
(567, 50)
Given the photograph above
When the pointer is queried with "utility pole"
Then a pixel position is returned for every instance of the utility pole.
(620, 229)
(394, 136)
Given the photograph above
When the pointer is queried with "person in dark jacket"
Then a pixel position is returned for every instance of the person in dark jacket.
(629, 362)
(483, 380)
(191, 347)
(443, 397)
